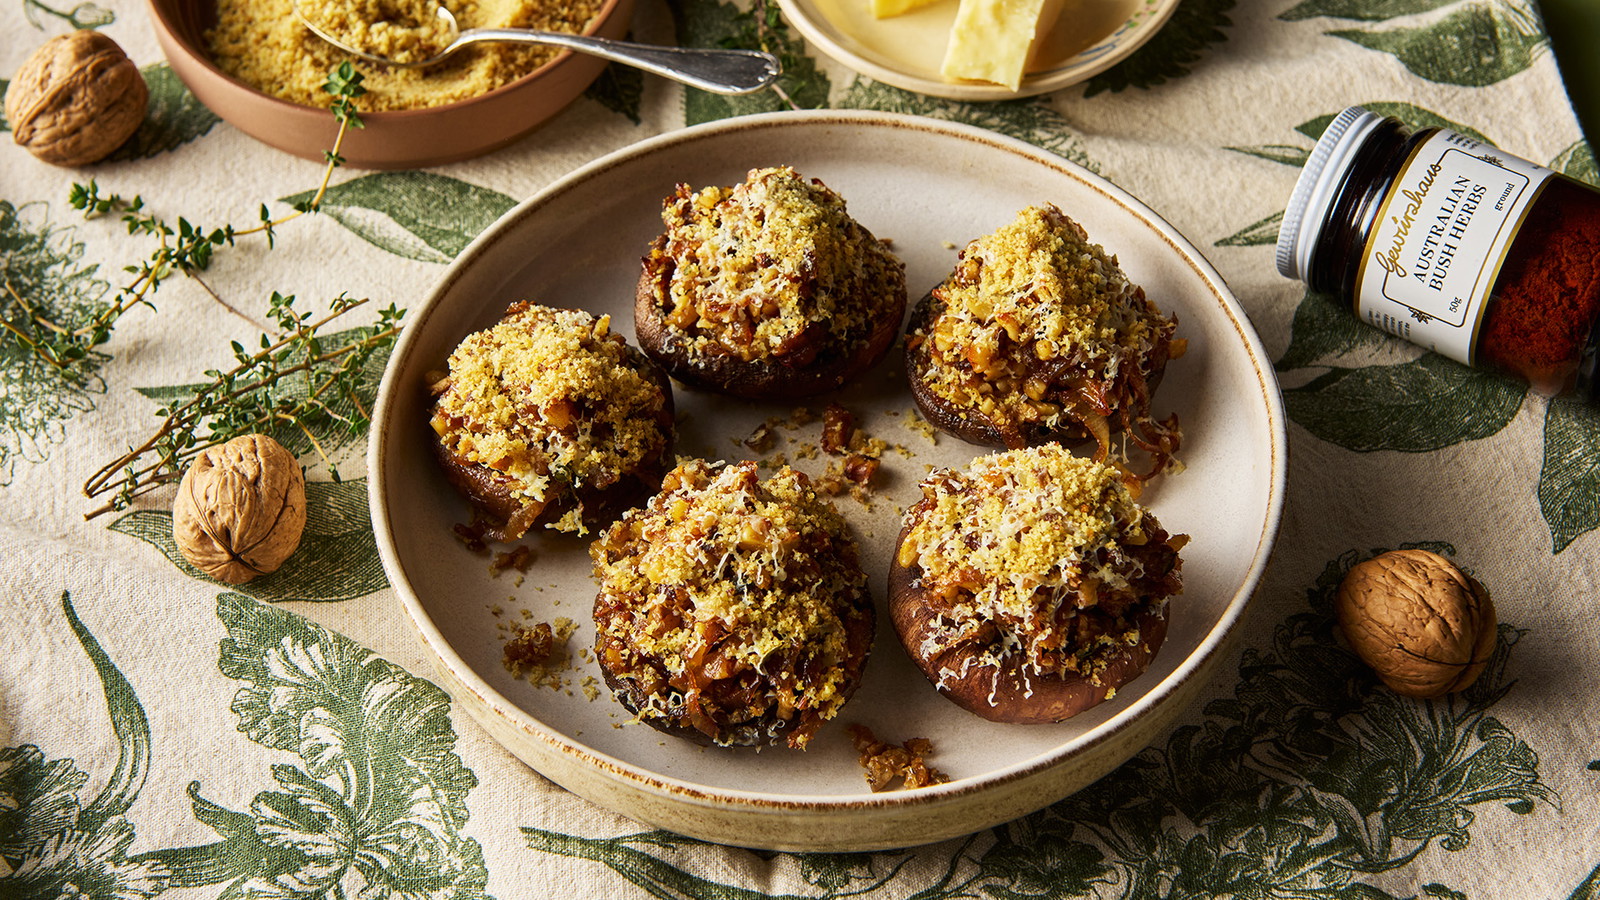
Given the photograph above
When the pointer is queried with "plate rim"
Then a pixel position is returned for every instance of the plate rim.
(455, 668)
(819, 30)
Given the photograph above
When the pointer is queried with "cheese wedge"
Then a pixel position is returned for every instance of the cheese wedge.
(995, 40)
(883, 9)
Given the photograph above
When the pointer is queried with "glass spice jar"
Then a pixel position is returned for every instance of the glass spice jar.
(1445, 241)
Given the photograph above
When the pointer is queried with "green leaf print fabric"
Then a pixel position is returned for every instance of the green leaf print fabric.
(173, 118)
(163, 735)
(337, 559)
(418, 215)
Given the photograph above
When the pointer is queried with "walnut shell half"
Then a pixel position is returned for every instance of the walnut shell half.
(241, 509)
(76, 99)
(1423, 625)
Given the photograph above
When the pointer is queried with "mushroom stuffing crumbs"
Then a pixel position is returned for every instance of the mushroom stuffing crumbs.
(883, 764)
(1038, 334)
(732, 610)
(773, 269)
(538, 652)
(263, 44)
(1045, 555)
(556, 412)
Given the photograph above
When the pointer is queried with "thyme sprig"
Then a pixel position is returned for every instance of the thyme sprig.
(186, 248)
(295, 381)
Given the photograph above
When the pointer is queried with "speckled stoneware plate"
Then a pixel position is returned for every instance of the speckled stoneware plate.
(929, 187)
(906, 51)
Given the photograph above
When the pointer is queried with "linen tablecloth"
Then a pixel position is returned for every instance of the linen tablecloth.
(163, 734)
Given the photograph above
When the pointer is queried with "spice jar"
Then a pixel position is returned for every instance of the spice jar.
(1447, 242)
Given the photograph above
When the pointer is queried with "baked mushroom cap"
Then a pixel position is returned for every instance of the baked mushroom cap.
(1030, 586)
(1038, 336)
(732, 610)
(767, 289)
(550, 418)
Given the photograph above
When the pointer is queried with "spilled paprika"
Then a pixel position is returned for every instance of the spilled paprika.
(1445, 241)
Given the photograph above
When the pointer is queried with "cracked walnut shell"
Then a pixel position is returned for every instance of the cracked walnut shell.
(76, 99)
(241, 509)
(1423, 625)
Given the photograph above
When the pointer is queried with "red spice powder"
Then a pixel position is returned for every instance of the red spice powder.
(1546, 301)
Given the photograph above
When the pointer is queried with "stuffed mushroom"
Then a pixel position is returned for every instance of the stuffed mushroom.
(732, 609)
(1030, 585)
(1037, 336)
(767, 290)
(550, 418)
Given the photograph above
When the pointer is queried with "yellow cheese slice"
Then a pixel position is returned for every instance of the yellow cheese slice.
(883, 9)
(994, 40)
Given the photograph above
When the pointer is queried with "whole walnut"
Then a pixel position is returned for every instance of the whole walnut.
(76, 99)
(241, 509)
(1423, 625)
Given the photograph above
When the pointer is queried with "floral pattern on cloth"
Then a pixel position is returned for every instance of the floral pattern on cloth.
(161, 737)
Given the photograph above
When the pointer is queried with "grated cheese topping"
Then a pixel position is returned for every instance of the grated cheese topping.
(765, 268)
(765, 565)
(550, 396)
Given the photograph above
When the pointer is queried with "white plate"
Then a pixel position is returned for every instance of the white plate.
(906, 51)
(929, 186)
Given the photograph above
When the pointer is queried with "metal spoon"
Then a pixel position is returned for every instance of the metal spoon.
(718, 71)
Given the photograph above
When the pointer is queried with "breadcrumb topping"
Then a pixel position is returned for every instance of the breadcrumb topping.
(770, 268)
(405, 32)
(263, 44)
(550, 396)
(724, 576)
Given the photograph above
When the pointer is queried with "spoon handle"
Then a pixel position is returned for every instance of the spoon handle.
(718, 71)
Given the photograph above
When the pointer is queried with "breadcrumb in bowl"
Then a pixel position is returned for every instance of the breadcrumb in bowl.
(390, 140)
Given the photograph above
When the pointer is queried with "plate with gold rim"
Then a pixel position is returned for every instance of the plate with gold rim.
(906, 51)
(928, 187)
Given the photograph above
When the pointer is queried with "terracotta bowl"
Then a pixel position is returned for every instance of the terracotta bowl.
(390, 140)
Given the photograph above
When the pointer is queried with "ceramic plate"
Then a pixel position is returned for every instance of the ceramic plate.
(906, 51)
(929, 187)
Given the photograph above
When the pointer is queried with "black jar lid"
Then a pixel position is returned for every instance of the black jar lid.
(1319, 184)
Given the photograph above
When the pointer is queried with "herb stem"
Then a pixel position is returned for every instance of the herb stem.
(162, 456)
(23, 336)
(204, 285)
(32, 313)
(322, 188)
(761, 39)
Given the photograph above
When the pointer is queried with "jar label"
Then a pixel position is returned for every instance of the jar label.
(1433, 255)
